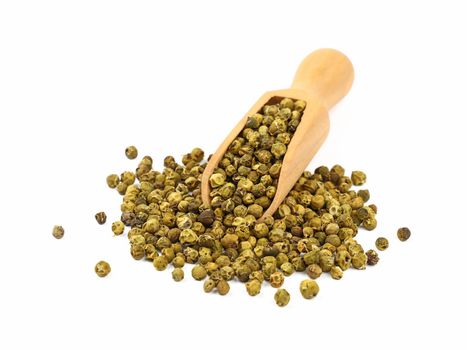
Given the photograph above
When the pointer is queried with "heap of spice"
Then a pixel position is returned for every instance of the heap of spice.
(313, 231)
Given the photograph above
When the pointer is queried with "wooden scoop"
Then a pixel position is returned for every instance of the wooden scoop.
(322, 79)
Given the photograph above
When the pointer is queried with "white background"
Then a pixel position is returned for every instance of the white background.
(81, 80)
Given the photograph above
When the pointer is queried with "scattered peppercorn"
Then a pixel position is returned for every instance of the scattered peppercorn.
(102, 268)
(382, 243)
(403, 234)
(58, 232)
(309, 289)
(282, 297)
(118, 227)
(113, 180)
(131, 152)
(101, 218)
(372, 257)
(178, 274)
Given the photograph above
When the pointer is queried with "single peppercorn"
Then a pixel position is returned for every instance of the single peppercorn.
(314, 271)
(403, 234)
(222, 287)
(118, 227)
(131, 152)
(113, 180)
(178, 274)
(160, 263)
(358, 178)
(336, 272)
(372, 257)
(382, 243)
(137, 251)
(58, 232)
(102, 268)
(253, 287)
(101, 218)
(198, 272)
(309, 289)
(282, 297)
(276, 279)
(209, 285)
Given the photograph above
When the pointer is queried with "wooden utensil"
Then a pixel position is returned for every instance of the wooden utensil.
(322, 79)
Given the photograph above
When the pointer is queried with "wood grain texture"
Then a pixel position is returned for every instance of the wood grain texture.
(323, 78)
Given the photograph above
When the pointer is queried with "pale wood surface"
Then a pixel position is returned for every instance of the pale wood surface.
(322, 79)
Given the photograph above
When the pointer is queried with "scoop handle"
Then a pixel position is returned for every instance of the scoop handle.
(325, 74)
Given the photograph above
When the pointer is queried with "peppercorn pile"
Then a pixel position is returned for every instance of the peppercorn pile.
(313, 231)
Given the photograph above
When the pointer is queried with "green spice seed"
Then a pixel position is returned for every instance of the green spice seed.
(359, 261)
(209, 285)
(101, 218)
(58, 232)
(382, 243)
(178, 274)
(102, 268)
(358, 178)
(282, 297)
(160, 263)
(372, 257)
(216, 180)
(137, 251)
(253, 287)
(222, 287)
(118, 227)
(309, 289)
(403, 234)
(178, 261)
(336, 272)
(131, 152)
(276, 279)
(198, 272)
(314, 271)
(112, 180)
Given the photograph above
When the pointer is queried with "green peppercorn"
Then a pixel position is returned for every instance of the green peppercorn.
(217, 180)
(358, 178)
(102, 268)
(178, 261)
(276, 279)
(131, 152)
(160, 263)
(253, 287)
(359, 261)
(101, 218)
(197, 154)
(282, 297)
(209, 285)
(118, 227)
(372, 257)
(198, 272)
(403, 234)
(222, 287)
(382, 243)
(137, 251)
(287, 268)
(58, 232)
(178, 274)
(309, 289)
(113, 180)
(314, 271)
(336, 272)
